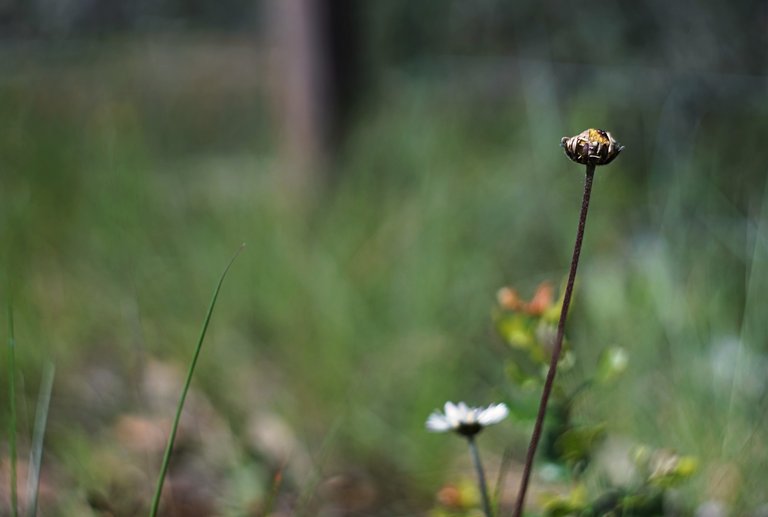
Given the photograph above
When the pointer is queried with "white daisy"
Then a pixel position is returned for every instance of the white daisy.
(466, 420)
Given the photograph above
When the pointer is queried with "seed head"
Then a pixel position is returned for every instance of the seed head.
(591, 146)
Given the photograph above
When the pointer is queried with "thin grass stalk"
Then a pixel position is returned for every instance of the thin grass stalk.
(12, 409)
(558, 345)
(174, 428)
(38, 436)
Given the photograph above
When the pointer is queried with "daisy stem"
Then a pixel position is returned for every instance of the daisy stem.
(480, 475)
(558, 345)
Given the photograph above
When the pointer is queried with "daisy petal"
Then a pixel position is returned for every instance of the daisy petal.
(493, 414)
(452, 413)
(438, 423)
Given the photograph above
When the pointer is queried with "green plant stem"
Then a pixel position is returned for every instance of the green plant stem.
(174, 428)
(12, 409)
(480, 475)
(558, 345)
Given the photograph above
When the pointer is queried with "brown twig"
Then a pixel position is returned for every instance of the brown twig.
(558, 345)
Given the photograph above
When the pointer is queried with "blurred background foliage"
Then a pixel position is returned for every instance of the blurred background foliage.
(390, 166)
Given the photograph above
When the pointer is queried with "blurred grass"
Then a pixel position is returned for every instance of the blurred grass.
(127, 179)
(12, 436)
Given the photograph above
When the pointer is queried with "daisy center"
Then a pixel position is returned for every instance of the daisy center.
(599, 136)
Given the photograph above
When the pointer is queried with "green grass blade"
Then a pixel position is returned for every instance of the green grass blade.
(38, 435)
(172, 437)
(12, 409)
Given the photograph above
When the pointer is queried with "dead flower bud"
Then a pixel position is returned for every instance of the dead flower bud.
(591, 146)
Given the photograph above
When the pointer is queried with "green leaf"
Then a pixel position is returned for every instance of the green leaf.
(673, 471)
(523, 379)
(665, 468)
(577, 443)
(556, 505)
(516, 331)
(646, 502)
(611, 364)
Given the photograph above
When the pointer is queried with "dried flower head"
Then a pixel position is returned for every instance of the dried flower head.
(465, 420)
(591, 146)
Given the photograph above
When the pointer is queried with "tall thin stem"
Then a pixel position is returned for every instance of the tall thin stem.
(558, 345)
(480, 476)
